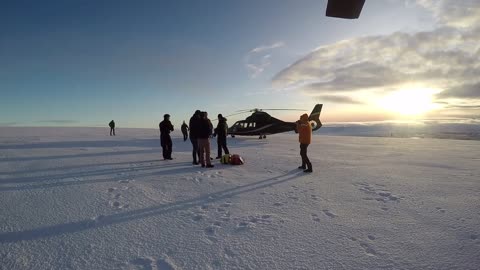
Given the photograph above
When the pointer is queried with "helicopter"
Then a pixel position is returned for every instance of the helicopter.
(261, 124)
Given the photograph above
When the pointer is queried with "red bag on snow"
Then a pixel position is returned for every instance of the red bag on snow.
(236, 160)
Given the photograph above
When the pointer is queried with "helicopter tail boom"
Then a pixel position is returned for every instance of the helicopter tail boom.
(314, 117)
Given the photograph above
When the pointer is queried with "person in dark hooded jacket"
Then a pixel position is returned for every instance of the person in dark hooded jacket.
(112, 127)
(221, 132)
(194, 124)
(184, 129)
(165, 140)
(204, 132)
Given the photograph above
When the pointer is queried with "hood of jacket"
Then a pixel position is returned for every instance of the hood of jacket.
(304, 117)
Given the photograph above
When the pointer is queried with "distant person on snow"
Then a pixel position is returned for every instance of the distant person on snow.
(184, 131)
(165, 140)
(221, 131)
(112, 127)
(204, 132)
(304, 130)
(194, 124)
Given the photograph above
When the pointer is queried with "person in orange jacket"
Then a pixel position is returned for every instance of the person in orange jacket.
(304, 130)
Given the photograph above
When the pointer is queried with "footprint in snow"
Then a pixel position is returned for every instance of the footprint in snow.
(315, 217)
(197, 179)
(197, 217)
(146, 263)
(143, 263)
(166, 264)
(368, 249)
(210, 233)
(118, 205)
(210, 230)
(226, 204)
(229, 254)
(329, 214)
(245, 225)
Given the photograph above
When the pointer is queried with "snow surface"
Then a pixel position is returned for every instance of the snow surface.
(75, 198)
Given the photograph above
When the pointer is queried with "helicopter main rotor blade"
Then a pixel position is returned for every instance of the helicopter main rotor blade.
(235, 114)
(225, 116)
(283, 110)
(259, 110)
(249, 110)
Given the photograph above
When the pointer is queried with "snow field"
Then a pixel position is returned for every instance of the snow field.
(75, 198)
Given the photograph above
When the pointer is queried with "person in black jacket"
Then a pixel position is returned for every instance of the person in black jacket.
(112, 127)
(184, 129)
(165, 140)
(221, 131)
(193, 124)
(204, 132)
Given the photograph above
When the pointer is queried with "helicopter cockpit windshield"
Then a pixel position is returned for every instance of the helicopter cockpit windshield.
(244, 125)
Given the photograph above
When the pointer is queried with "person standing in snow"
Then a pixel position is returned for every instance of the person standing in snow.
(193, 124)
(184, 131)
(304, 130)
(112, 127)
(165, 140)
(221, 131)
(204, 132)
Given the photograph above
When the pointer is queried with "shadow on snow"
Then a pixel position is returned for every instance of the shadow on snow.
(104, 221)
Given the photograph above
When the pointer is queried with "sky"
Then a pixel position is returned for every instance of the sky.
(86, 62)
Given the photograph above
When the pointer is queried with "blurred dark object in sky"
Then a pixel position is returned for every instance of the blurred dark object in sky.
(346, 9)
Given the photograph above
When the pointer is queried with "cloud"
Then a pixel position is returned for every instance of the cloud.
(466, 91)
(338, 99)
(445, 58)
(258, 59)
(267, 47)
(456, 13)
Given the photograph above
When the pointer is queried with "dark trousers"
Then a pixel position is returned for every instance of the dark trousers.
(185, 136)
(195, 150)
(166, 143)
(222, 144)
(112, 130)
(303, 154)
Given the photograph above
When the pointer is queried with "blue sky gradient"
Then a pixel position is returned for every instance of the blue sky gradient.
(83, 63)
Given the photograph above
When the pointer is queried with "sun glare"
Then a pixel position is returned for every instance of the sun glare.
(409, 102)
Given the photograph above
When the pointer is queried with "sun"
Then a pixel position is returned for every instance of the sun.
(409, 102)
